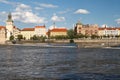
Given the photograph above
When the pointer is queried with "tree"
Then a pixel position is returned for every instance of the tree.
(42, 38)
(24, 38)
(71, 34)
(59, 37)
(94, 36)
(19, 37)
(11, 37)
(35, 37)
(80, 36)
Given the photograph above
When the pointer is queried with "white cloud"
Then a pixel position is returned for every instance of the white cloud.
(104, 25)
(23, 13)
(38, 8)
(52, 27)
(3, 16)
(23, 7)
(118, 21)
(56, 18)
(63, 12)
(82, 11)
(8, 2)
(48, 5)
(4, 1)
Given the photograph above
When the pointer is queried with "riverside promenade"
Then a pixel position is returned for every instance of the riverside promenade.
(85, 43)
(81, 43)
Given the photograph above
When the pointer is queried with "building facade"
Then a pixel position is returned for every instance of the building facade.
(2, 35)
(105, 31)
(28, 33)
(57, 32)
(40, 30)
(11, 30)
(86, 29)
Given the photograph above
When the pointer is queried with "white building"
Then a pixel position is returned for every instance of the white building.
(28, 33)
(109, 31)
(40, 30)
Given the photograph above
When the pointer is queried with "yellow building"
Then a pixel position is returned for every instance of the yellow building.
(57, 32)
(101, 32)
(27, 33)
(2, 35)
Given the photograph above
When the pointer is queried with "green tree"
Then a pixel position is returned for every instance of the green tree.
(80, 36)
(19, 37)
(94, 36)
(42, 38)
(86, 36)
(35, 37)
(60, 37)
(24, 38)
(71, 34)
(11, 37)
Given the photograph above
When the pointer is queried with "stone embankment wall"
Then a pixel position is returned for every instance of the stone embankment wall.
(94, 42)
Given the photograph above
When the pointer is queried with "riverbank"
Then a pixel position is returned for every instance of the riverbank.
(93, 43)
(84, 43)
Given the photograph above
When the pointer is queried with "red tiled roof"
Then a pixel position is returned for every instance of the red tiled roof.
(1, 27)
(39, 26)
(59, 30)
(28, 29)
(109, 28)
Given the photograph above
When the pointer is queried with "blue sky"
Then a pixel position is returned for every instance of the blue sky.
(65, 13)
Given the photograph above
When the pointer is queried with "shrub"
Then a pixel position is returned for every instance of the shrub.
(71, 41)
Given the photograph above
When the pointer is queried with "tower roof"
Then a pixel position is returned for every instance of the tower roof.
(79, 23)
(9, 18)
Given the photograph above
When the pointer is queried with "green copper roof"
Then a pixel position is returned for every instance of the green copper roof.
(79, 23)
(9, 18)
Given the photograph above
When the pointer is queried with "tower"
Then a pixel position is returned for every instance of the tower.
(9, 26)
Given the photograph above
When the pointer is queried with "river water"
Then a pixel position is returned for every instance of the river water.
(19, 62)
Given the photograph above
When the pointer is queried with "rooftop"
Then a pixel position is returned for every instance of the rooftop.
(106, 28)
(39, 26)
(2, 27)
(59, 30)
(27, 29)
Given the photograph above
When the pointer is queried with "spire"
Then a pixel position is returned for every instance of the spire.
(78, 23)
(9, 17)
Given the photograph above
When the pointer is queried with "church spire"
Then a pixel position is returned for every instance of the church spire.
(9, 17)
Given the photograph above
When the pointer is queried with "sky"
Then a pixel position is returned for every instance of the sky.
(64, 13)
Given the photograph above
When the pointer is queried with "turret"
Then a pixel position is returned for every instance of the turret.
(9, 18)
(9, 26)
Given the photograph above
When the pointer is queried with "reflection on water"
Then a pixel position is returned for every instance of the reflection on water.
(36, 63)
